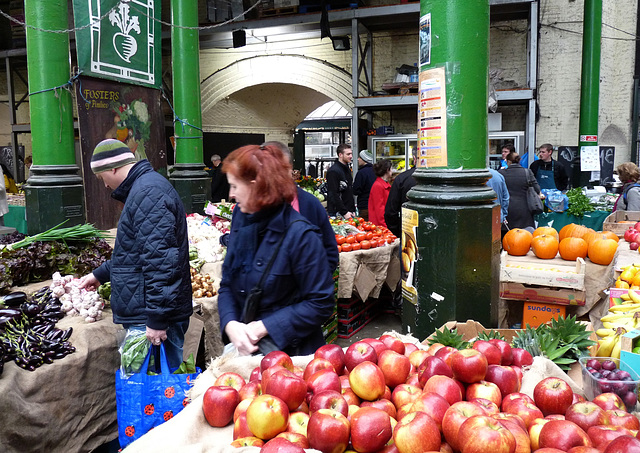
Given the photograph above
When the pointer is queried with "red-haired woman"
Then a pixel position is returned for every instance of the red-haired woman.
(297, 291)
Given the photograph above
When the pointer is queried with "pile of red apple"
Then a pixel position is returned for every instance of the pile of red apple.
(383, 395)
(632, 236)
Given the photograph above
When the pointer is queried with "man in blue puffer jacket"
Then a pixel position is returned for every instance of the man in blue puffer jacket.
(149, 266)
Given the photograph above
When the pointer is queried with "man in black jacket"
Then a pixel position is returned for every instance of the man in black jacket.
(340, 185)
(397, 196)
(219, 183)
(149, 267)
(550, 173)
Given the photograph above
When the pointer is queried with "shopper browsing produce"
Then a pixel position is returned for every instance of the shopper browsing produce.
(629, 199)
(269, 238)
(380, 192)
(149, 266)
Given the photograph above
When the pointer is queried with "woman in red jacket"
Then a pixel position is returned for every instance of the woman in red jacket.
(379, 192)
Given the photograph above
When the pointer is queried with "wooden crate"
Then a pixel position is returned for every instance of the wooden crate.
(619, 221)
(530, 270)
(542, 294)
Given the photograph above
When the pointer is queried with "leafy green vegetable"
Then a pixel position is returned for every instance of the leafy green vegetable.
(187, 367)
(133, 352)
(579, 203)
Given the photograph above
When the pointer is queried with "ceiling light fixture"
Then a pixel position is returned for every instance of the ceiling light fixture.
(340, 43)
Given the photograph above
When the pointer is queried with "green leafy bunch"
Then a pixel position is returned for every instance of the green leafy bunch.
(579, 203)
(563, 341)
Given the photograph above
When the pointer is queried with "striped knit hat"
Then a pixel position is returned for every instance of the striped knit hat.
(110, 153)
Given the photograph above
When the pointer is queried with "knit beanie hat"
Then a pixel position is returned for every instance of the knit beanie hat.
(366, 156)
(111, 153)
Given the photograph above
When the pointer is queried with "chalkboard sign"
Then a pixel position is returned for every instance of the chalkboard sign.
(569, 156)
(8, 160)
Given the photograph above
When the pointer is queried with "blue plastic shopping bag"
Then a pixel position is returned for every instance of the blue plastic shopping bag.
(555, 200)
(144, 401)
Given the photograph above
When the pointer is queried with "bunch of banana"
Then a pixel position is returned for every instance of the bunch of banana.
(610, 345)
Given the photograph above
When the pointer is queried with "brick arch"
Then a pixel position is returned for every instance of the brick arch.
(324, 77)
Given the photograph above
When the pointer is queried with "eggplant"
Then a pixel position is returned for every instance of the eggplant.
(14, 299)
(11, 312)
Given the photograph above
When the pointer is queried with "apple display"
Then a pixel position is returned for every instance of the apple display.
(609, 401)
(250, 390)
(602, 435)
(417, 357)
(486, 390)
(521, 436)
(241, 408)
(325, 379)
(404, 394)
(521, 357)
(512, 397)
(370, 429)
(367, 381)
(469, 365)
(249, 441)
(219, 404)
(276, 358)
(417, 433)
(483, 434)
(623, 444)
(445, 354)
(316, 364)
(527, 411)
(623, 418)
(288, 387)
(241, 428)
(334, 354)
(505, 350)
(267, 416)
(328, 399)
(490, 408)
(394, 366)
(410, 348)
(586, 415)
(230, 379)
(350, 397)
(393, 343)
(444, 386)
(552, 395)
(432, 404)
(295, 438)
(359, 352)
(328, 431)
(563, 434)
(453, 419)
(504, 377)
(377, 344)
(433, 366)
(490, 351)
(383, 404)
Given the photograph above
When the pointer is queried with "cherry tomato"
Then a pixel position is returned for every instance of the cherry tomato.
(366, 245)
(361, 237)
(374, 243)
(346, 247)
(355, 246)
(351, 239)
(340, 239)
(360, 220)
(369, 235)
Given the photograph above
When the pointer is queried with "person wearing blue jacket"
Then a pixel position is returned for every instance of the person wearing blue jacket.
(149, 265)
(499, 186)
(297, 289)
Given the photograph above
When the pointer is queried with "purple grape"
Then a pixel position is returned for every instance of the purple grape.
(609, 365)
(594, 363)
(605, 373)
(614, 376)
(605, 387)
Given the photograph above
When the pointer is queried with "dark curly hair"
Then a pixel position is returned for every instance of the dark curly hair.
(381, 167)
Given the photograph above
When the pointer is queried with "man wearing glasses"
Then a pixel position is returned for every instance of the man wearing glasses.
(550, 173)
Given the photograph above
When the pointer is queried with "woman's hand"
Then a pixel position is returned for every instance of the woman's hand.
(242, 337)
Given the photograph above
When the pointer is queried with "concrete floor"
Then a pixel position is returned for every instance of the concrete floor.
(382, 323)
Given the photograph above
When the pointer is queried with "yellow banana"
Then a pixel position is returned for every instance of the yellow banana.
(612, 317)
(625, 297)
(605, 332)
(624, 308)
(634, 296)
(615, 352)
(605, 346)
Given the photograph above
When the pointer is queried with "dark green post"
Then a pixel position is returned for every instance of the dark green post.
(54, 191)
(590, 82)
(451, 211)
(189, 177)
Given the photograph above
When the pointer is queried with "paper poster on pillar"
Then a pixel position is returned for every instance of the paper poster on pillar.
(409, 255)
(432, 119)
(119, 40)
(589, 158)
(129, 113)
(425, 39)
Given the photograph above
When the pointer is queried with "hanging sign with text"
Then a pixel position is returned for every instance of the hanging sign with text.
(119, 40)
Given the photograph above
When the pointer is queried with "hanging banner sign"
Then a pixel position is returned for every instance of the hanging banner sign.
(119, 40)
(432, 119)
(409, 255)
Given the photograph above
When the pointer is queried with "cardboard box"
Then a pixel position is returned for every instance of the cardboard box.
(531, 270)
(535, 314)
(614, 296)
(619, 221)
(630, 361)
(542, 294)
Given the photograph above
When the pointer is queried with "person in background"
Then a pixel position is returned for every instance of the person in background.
(497, 183)
(340, 185)
(219, 183)
(629, 199)
(550, 174)
(297, 293)
(506, 149)
(312, 210)
(380, 192)
(9, 181)
(28, 161)
(397, 197)
(363, 181)
(517, 179)
(4, 205)
(149, 267)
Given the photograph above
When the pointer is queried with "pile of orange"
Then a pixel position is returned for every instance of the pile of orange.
(572, 242)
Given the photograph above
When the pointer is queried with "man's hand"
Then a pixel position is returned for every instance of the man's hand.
(243, 337)
(348, 215)
(156, 337)
(89, 282)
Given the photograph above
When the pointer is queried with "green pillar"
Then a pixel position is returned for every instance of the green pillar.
(54, 190)
(189, 179)
(451, 214)
(590, 81)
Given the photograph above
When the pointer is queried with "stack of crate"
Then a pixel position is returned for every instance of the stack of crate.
(354, 314)
(546, 287)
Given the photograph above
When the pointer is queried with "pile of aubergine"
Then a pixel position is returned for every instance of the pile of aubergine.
(28, 332)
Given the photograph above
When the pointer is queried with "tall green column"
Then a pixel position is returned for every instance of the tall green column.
(590, 82)
(54, 191)
(451, 221)
(189, 179)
